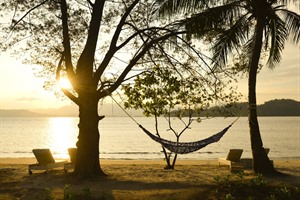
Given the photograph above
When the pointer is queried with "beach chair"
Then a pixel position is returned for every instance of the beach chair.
(233, 159)
(70, 165)
(45, 161)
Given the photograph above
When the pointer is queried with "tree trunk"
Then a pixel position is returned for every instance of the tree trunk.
(261, 162)
(87, 159)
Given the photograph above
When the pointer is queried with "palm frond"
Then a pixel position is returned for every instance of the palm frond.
(292, 23)
(278, 35)
(173, 7)
(295, 3)
(229, 40)
(211, 19)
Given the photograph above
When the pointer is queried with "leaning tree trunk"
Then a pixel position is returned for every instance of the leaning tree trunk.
(87, 159)
(261, 162)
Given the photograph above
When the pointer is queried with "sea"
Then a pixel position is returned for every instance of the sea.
(121, 138)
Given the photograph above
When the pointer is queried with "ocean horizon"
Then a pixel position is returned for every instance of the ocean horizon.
(121, 138)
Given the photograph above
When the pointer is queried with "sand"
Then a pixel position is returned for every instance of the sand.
(131, 179)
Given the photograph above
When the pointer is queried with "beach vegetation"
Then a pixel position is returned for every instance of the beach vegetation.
(49, 194)
(100, 45)
(255, 30)
(253, 188)
(173, 94)
(97, 45)
(68, 194)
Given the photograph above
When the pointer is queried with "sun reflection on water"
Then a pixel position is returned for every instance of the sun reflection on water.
(62, 133)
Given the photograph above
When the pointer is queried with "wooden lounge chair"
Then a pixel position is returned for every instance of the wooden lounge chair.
(233, 159)
(45, 161)
(70, 165)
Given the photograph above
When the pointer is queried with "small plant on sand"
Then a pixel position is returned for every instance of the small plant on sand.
(85, 194)
(223, 183)
(49, 194)
(67, 194)
(229, 197)
(286, 193)
(253, 188)
(259, 180)
(222, 180)
(241, 175)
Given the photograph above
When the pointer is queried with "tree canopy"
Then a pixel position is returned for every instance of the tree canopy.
(97, 45)
(248, 28)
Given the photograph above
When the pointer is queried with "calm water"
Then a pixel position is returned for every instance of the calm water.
(122, 139)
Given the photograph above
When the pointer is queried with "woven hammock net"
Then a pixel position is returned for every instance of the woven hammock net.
(186, 147)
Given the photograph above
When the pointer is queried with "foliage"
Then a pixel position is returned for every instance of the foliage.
(232, 26)
(97, 45)
(164, 90)
(252, 188)
(247, 28)
(126, 35)
(167, 92)
(49, 194)
(68, 195)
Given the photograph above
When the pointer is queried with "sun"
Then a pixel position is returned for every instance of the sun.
(64, 83)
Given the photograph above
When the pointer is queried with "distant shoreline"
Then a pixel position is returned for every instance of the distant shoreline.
(273, 108)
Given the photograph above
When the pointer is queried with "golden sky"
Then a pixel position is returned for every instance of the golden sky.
(20, 89)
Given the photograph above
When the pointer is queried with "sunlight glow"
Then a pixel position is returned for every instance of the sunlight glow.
(64, 83)
(62, 136)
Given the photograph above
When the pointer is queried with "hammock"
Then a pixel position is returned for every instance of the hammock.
(186, 147)
(181, 147)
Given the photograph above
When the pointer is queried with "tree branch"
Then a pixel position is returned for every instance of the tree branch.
(71, 96)
(113, 45)
(66, 43)
(86, 59)
(58, 69)
(138, 55)
(27, 13)
(121, 24)
(65, 91)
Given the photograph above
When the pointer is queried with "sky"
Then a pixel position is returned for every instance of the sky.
(20, 89)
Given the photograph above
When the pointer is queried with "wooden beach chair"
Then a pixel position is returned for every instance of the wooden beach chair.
(45, 161)
(70, 165)
(233, 159)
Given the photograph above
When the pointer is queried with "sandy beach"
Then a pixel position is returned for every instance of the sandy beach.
(141, 179)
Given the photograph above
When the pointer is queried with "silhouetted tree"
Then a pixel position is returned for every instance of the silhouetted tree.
(252, 26)
(95, 44)
(184, 95)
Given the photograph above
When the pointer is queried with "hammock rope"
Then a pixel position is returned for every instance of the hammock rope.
(181, 147)
(186, 147)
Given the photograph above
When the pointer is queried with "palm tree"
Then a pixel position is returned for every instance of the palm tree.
(253, 26)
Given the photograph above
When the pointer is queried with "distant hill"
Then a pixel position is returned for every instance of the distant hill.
(280, 107)
(69, 111)
(65, 111)
(107, 109)
(277, 107)
(20, 113)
